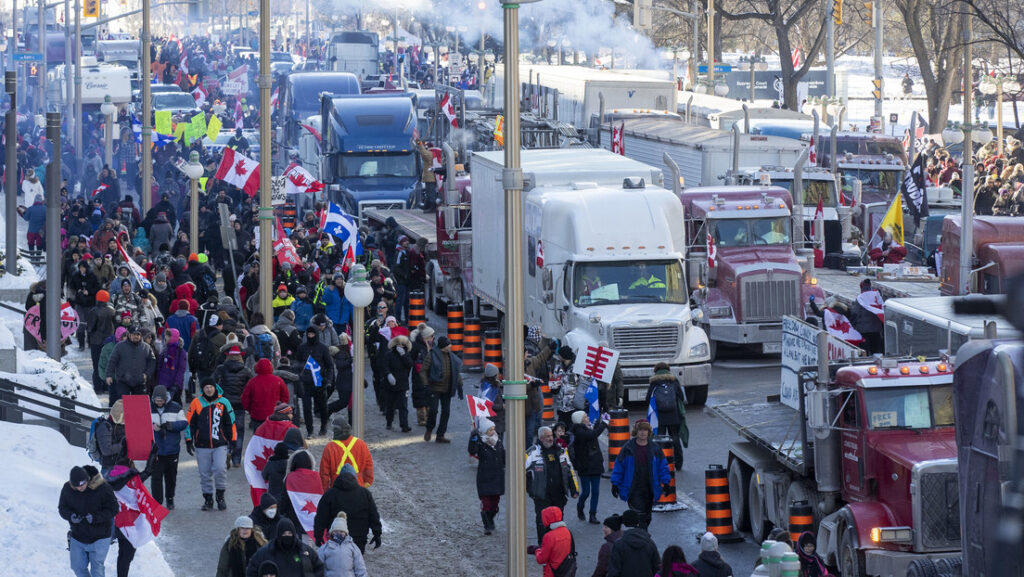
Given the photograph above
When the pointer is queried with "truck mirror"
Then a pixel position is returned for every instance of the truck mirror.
(818, 417)
(547, 282)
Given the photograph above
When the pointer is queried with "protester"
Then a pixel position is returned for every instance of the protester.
(341, 556)
(588, 459)
(357, 502)
(670, 403)
(88, 504)
(550, 477)
(345, 449)
(635, 554)
(287, 554)
(168, 423)
(611, 528)
(211, 431)
(442, 373)
(710, 562)
(242, 544)
(485, 444)
(673, 563)
(641, 473)
(557, 547)
(811, 564)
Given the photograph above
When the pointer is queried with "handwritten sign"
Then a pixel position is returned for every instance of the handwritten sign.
(278, 190)
(800, 349)
(33, 322)
(68, 320)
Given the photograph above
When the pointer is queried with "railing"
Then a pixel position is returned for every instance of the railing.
(69, 420)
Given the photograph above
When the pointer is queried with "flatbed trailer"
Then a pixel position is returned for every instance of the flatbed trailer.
(845, 286)
(772, 426)
(415, 224)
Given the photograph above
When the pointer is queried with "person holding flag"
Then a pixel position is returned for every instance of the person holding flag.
(665, 409)
(485, 444)
(641, 472)
(491, 390)
(887, 247)
(586, 455)
(317, 373)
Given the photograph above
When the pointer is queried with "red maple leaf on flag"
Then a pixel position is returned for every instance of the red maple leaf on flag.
(260, 461)
(309, 507)
(240, 169)
(841, 325)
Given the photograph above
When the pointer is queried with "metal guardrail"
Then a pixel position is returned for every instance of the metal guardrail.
(36, 257)
(10, 308)
(71, 423)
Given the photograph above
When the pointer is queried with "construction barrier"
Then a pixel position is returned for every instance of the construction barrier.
(417, 309)
(455, 328)
(492, 347)
(665, 442)
(472, 351)
(717, 504)
(288, 215)
(618, 434)
(801, 519)
(548, 415)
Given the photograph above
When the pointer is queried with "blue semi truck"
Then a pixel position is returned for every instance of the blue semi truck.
(369, 157)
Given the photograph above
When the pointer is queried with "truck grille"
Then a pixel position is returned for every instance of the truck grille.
(768, 300)
(940, 510)
(646, 344)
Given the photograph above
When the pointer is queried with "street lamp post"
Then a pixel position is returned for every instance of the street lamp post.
(11, 172)
(194, 171)
(997, 85)
(146, 170)
(54, 276)
(360, 294)
(108, 109)
(266, 210)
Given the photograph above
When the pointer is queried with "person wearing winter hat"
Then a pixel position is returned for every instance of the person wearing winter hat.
(130, 366)
(340, 554)
(88, 504)
(612, 531)
(313, 384)
(264, 392)
(232, 376)
(710, 561)
(168, 424)
(347, 495)
(641, 473)
(241, 545)
(288, 554)
(211, 430)
(589, 461)
(485, 444)
(99, 326)
(171, 364)
(557, 545)
(345, 449)
(442, 373)
(563, 385)
(282, 300)
(266, 569)
(635, 554)
(264, 515)
(492, 390)
(422, 338)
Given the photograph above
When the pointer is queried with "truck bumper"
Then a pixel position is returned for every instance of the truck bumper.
(769, 334)
(894, 563)
(636, 378)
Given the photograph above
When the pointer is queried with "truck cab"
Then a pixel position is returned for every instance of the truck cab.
(369, 157)
(998, 242)
(751, 278)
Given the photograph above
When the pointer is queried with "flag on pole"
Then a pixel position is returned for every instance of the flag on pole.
(480, 407)
(652, 415)
(915, 190)
(99, 189)
(304, 490)
(893, 221)
(239, 115)
(199, 93)
(336, 222)
(239, 170)
(314, 370)
(812, 154)
(258, 451)
(137, 271)
(299, 180)
(819, 243)
(274, 97)
(712, 251)
(618, 140)
(284, 250)
(593, 396)
(183, 63)
(139, 515)
(448, 109)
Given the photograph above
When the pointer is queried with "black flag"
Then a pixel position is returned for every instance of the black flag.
(915, 197)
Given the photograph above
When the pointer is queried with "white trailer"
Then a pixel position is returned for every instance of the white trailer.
(603, 246)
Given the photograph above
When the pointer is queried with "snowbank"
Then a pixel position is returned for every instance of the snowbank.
(36, 465)
(21, 281)
(38, 371)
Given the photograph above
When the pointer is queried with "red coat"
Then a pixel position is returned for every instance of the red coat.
(184, 292)
(557, 543)
(263, 392)
(896, 254)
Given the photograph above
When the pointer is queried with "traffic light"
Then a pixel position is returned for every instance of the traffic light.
(837, 12)
(91, 9)
(33, 70)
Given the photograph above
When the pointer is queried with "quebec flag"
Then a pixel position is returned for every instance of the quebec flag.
(652, 415)
(314, 370)
(593, 403)
(338, 223)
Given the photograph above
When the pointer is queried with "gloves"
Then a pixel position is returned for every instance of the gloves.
(88, 518)
(391, 379)
(401, 350)
(75, 518)
(190, 447)
(531, 550)
(376, 541)
(667, 489)
(811, 299)
(615, 491)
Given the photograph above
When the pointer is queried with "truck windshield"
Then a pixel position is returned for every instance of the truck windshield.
(750, 232)
(609, 283)
(884, 180)
(909, 407)
(373, 165)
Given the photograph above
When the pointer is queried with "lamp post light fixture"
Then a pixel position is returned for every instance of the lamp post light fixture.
(721, 88)
(108, 110)
(194, 171)
(360, 294)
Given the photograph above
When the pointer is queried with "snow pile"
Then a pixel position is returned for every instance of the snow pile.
(38, 371)
(32, 535)
(6, 338)
(23, 280)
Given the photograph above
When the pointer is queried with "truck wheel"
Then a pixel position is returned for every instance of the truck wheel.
(697, 395)
(951, 567)
(851, 561)
(922, 568)
(739, 478)
(760, 526)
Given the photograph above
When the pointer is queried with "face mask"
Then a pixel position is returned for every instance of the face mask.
(37, 297)
(491, 439)
(287, 541)
(271, 513)
(310, 339)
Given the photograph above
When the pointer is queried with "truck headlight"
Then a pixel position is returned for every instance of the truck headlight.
(720, 311)
(700, 350)
(696, 315)
(892, 535)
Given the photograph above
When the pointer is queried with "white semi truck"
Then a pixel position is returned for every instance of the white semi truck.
(604, 246)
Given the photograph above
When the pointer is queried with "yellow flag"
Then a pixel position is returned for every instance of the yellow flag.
(893, 221)
(213, 128)
(179, 131)
(163, 122)
(499, 130)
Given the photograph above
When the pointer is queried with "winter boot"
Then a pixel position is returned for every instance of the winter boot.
(421, 416)
(593, 519)
(221, 504)
(580, 515)
(208, 502)
(490, 517)
(486, 517)
(170, 503)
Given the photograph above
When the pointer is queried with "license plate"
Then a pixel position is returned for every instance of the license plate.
(772, 348)
(636, 394)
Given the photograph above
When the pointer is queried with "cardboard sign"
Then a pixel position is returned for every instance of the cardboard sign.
(800, 349)
(596, 362)
(138, 426)
(278, 190)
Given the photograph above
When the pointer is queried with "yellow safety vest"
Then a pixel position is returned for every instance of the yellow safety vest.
(652, 282)
(346, 455)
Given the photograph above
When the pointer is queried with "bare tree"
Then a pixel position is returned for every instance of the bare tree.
(1001, 20)
(934, 30)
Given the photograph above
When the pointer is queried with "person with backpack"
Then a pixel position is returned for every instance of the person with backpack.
(232, 376)
(635, 554)
(557, 551)
(586, 455)
(204, 352)
(314, 383)
(261, 342)
(670, 402)
(170, 371)
(211, 431)
(168, 424)
(288, 336)
(184, 322)
(263, 392)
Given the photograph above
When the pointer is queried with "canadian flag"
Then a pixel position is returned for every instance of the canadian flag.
(199, 93)
(139, 515)
(239, 170)
(284, 250)
(480, 407)
(239, 115)
(839, 326)
(274, 96)
(183, 64)
(798, 57)
(301, 181)
(100, 189)
(872, 302)
(304, 491)
(448, 109)
(812, 155)
(349, 260)
(618, 140)
(258, 452)
(712, 251)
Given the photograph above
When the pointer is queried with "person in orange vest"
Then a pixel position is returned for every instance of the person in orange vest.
(345, 448)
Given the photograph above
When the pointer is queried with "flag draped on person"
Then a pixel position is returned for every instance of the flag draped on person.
(839, 326)
(240, 171)
(915, 191)
(140, 515)
(872, 302)
(258, 452)
(304, 490)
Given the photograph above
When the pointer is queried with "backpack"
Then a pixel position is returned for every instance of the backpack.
(202, 357)
(92, 445)
(665, 398)
(568, 566)
(263, 346)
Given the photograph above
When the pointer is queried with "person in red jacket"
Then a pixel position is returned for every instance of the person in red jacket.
(263, 392)
(186, 292)
(557, 545)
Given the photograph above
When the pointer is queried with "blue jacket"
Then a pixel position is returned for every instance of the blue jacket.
(339, 310)
(622, 474)
(36, 217)
(303, 313)
(184, 324)
(172, 421)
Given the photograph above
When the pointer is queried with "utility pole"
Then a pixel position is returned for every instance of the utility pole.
(68, 111)
(831, 20)
(266, 210)
(711, 46)
(11, 171)
(54, 281)
(967, 188)
(879, 88)
(42, 50)
(78, 88)
(145, 190)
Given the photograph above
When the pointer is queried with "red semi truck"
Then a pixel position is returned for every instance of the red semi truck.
(871, 448)
(998, 250)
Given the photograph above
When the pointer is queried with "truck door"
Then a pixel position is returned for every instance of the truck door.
(852, 439)
(564, 297)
